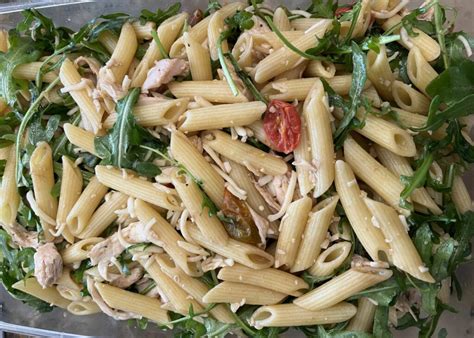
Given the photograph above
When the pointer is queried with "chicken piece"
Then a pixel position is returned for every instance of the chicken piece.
(279, 186)
(105, 250)
(262, 225)
(20, 236)
(125, 281)
(48, 265)
(163, 73)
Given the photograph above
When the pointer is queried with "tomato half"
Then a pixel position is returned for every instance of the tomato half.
(282, 125)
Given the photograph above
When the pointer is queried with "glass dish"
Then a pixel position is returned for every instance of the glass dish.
(19, 318)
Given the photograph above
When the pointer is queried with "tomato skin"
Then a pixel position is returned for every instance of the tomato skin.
(282, 125)
(342, 10)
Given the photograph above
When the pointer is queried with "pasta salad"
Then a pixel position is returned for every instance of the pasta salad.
(240, 169)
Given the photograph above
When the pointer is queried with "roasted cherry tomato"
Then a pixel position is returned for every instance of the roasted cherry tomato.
(343, 9)
(238, 221)
(282, 125)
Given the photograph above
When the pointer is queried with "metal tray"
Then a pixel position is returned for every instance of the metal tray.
(19, 318)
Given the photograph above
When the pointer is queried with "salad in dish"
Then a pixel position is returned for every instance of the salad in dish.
(240, 169)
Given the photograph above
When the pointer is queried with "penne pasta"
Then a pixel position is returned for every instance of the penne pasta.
(143, 30)
(80, 214)
(359, 216)
(281, 281)
(133, 186)
(364, 317)
(240, 252)
(293, 315)
(291, 230)
(222, 116)
(49, 295)
(314, 234)
(29, 71)
(42, 175)
(280, 19)
(331, 259)
(9, 196)
(342, 287)
(230, 292)
(80, 138)
(213, 91)
(303, 158)
(409, 99)
(168, 236)
(254, 159)
(124, 52)
(460, 195)
(79, 251)
(198, 58)
(81, 308)
(380, 73)
(403, 251)
(104, 215)
(316, 115)
(419, 70)
(109, 40)
(71, 188)
(127, 301)
(317, 68)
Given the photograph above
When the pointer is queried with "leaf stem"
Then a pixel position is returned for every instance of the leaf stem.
(24, 122)
(157, 40)
(225, 69)
(439, 32)
(242, 325)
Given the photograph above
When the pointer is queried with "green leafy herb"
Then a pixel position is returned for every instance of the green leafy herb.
(160, 15)
(157, 40)
(322, 8)
(381, 328)
(416, 181)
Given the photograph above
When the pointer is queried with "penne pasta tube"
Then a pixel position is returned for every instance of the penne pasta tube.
(133, 186)
(190, 194)
(240, 252)
(303, 159)
(404, 254)
(254, 159)
(363, 21)
(70, 77)
(143, 31)
(50, 295)
(109, 40)
(80, 138)
(282, 315)
(289, 90)
(217, 91)
(316, 114)
(3, 40)
(193, 286)
(81, 212)
(178, 300)
(79, 251)
(427, 45)
(284, 59)
(198, 58)
(331, 259)
(460, 195)
(380, 73)
(230, 292)
(342, 287)
(222, 116)
(104, 215)
(320, 68)
(28, 71)
(81, 308)
(214, 30)
(71, 188)
(124, 52)
(419, 70)
(152, 114)
(170, 238)
(388, 135)
(280, 19)
(302, 24)
(400, 166)
(373, 97)
(281, 281)
(364, 317)
(375, 175)
(167, 33)
(200, 30)
(127, 301)
(409, 99)
(42, 175)
(9, 196)
(359, 216)
(186, 153)
(291, 229)
(314, 234)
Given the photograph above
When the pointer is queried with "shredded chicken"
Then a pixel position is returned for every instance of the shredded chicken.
(259, 26)
(92, 63)
(163, 72)
(105, 250)
(48, 265)
(215, 262)
(279, 187)
(144, 284)
(262, 225)
(20, 236)
(125, 281)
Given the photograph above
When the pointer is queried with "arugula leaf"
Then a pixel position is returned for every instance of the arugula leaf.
(21, 51)
(441, 259)
(237, 23)
(160, 15)
(424, 243)
(359, 78)
(416, 181)
(322, 9)
(383, 293)
(464, 232)
(381, 328)
(429, 300)
(339, 332)
(455, 83)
